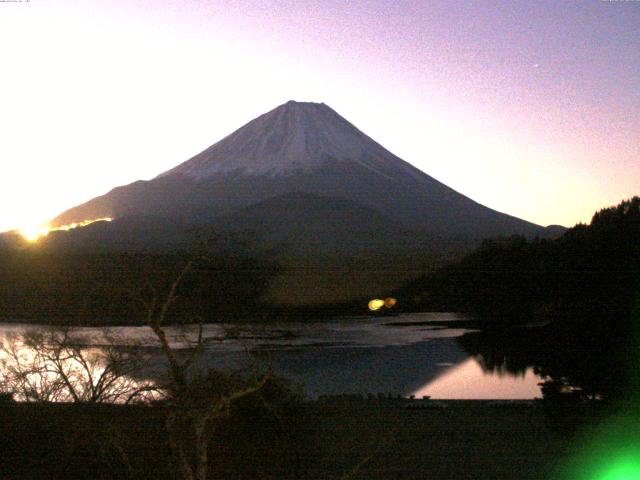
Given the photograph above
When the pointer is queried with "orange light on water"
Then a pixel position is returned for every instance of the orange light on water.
(376, 304)
(390, 302)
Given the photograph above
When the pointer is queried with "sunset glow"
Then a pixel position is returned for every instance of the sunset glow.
(530, 108)
(36, 232)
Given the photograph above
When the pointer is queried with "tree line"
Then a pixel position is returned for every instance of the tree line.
(583, 286)
(46, 285)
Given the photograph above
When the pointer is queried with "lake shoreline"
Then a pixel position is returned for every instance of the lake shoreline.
(368, 356)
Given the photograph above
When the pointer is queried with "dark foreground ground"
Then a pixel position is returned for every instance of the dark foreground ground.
(336, 438)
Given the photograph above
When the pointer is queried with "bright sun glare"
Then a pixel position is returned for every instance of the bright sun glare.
(33, 233)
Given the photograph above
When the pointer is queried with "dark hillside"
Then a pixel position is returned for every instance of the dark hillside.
(585, 286)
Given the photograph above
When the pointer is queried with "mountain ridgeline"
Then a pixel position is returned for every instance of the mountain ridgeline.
(302, 188)
(303, 149)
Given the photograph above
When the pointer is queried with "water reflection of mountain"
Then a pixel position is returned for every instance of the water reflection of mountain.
(336, 370)
(568, 356)
(470, 380)
(499, 352)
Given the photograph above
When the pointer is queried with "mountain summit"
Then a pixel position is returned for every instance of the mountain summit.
(302, 149)
(292, 138)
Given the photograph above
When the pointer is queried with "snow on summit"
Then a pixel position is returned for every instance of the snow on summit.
(294, 137)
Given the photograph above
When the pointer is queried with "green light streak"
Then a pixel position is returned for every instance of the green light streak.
(625, 468)
(610, 450)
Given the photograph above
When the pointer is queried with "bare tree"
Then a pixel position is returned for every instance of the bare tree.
(56, 365)
(197, 399)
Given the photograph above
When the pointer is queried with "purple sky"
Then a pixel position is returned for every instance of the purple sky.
(529, 107)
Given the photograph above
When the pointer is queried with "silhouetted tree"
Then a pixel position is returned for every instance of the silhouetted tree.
(586, 284)
(53, 365)
(196, 399)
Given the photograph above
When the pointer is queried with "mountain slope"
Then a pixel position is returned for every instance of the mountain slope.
(307, 148)
(301, 223)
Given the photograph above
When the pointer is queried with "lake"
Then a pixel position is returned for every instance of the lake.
(403, 355)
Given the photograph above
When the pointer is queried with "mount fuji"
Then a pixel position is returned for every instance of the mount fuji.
(302, 166)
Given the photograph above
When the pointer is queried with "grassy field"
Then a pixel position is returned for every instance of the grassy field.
(336, 439)
(335, 279)
(466, 440)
